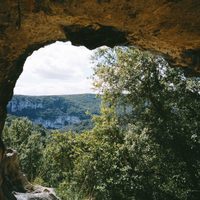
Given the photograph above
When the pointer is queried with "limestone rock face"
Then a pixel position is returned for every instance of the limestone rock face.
(167, 27)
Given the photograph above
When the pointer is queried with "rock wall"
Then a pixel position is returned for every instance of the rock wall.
(14, 179)
(167, 27)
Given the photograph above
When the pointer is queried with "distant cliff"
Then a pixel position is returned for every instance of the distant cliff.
(56, 112)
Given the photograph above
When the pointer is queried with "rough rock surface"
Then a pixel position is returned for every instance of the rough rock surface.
(17, 182)
(168, 27)
(14, 179)
(39, 193)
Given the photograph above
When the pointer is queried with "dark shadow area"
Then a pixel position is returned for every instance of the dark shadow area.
(96, 35)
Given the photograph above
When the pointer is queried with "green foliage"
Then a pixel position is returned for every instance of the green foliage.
(144, 145)
(158, 103)
(26, 138)
(58, 157)
(67, 191)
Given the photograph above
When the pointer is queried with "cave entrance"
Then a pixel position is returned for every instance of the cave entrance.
(53, 94)
(55, 88)
(91, 36)
(60, 68)
(54, 76)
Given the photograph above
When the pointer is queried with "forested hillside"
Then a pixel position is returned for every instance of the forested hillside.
(57, 112)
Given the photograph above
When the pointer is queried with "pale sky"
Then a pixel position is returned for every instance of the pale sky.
(56, 69)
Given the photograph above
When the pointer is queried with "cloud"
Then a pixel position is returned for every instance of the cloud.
(59, 68)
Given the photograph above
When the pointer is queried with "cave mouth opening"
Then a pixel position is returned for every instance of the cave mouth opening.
(63, 68)
(84, 39)
(91, 37)
(53, 76)
(55, 88)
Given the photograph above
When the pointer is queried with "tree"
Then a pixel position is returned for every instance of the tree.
(158, 103)
(58, 158)
(21, 135)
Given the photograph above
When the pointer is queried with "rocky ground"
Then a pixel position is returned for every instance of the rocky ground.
(18, 183)
(38, 193)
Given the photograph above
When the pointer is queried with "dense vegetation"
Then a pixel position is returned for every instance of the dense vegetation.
(145, 144)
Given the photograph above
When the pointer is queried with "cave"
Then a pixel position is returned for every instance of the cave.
(168, 28)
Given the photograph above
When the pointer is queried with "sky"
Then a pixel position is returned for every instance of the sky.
(56, 69)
